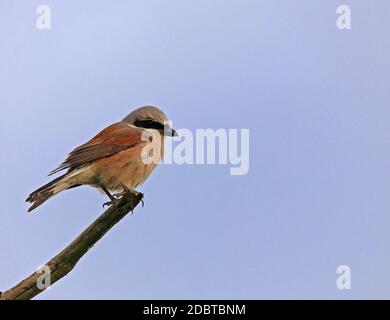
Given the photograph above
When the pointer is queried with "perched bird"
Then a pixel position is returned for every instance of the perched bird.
(117, 159)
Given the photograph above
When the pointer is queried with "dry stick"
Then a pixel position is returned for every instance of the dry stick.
(66, 260)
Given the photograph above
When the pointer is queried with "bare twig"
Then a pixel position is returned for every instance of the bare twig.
(66, 260)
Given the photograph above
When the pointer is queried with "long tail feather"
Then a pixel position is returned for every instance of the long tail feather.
(45, 192)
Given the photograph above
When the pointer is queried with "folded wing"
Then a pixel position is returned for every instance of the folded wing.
(111, 140)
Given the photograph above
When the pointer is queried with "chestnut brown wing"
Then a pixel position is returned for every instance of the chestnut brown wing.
(111, 140)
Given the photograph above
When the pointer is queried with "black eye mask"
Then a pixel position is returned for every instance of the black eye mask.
(149, 124)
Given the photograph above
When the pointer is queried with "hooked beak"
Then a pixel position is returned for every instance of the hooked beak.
(170, 132)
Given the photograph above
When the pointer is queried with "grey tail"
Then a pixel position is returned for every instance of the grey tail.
(45, 192)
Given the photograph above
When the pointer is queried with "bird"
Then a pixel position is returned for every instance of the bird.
(118, 159)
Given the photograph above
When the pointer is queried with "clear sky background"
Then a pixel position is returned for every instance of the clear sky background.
(316, 101)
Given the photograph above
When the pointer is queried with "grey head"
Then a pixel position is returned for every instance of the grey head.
(150, 117)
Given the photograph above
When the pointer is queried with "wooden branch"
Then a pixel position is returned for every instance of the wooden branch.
(66, 260)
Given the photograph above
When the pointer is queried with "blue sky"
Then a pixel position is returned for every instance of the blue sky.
(315, 99)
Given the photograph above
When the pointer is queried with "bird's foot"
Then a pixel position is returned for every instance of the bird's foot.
(134, 192)
(116, 197)
(113, 198)
(111, 202)
(141, 195)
